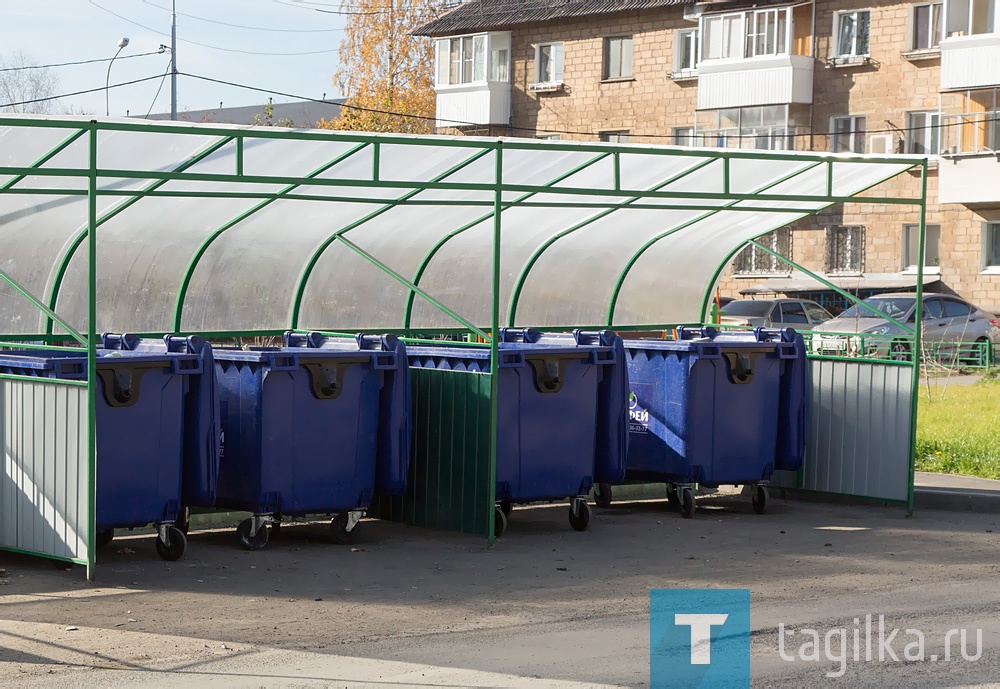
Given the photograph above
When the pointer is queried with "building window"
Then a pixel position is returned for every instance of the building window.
(500, 57)
(932, 248)
(848, 135)
(550, 137)
(549, 63)
(845, 249)
(928, 28)
(762, 127)
(618, 57)
(684, 136)
(722, 37)
(850, 31)
(754, 261)
(616, 137)
(685, 50)
(461, 60)
(923, 133)
(970, 17)
(766, 32)
(991, 246)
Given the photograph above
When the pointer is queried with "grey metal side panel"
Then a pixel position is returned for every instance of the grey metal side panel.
(43, 487)
(859, 430)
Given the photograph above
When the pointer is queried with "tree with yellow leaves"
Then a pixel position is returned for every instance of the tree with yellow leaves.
(385, 69)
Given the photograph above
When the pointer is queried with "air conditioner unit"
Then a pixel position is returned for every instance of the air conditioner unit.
(881, 144)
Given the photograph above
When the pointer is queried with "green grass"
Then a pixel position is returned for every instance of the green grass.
(958, 428)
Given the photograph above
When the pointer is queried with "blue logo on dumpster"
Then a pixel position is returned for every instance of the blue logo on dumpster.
(699, 638)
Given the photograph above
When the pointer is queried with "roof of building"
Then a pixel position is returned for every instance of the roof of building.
(479, 15)
(303, 114)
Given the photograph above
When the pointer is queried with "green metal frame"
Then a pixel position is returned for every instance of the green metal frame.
(494, 192)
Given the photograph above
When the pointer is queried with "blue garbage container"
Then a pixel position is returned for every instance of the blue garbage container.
(299, 429)
(562, 414)
(392, 447)
(201, 414)
(793, 406)
(704, 410)
(140, 434)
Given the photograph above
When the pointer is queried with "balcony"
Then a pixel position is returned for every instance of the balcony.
(770, 80)
(970, 62)
(482, 103)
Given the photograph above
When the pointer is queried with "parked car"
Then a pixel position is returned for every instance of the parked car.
(801, 314)
(946, 322)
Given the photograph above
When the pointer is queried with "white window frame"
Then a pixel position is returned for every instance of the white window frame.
(935, 41)
(911, 234)
(481, 58)
(856, 134)
(988, 229)
(610, 43)
(556, 59)
(838, 17)
(616, 136)
(765, 23)
(692, 54)
(928, 134)
(956, 25)
(684, 136)
(728, 49)
(762, 263)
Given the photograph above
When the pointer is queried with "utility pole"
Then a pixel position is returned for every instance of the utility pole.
(173, 60)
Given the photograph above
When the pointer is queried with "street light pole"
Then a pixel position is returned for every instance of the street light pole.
(107, 82)
(173, 60)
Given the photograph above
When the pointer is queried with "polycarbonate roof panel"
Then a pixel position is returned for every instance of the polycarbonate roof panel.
(630, 221)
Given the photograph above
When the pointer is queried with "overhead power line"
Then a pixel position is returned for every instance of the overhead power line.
(79, 93)
(241, 26)
(460, 123)
(206, 45)
(78, 62)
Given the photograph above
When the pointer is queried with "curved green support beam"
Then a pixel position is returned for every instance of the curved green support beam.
(210, 239)
(645, 247)
(81, 235)
(300, 287)
(408, 312)
(523, 275)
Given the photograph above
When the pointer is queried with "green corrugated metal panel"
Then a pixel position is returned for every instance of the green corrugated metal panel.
(448, 487)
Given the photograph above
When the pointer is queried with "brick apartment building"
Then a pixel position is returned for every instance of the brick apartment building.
(844, 75)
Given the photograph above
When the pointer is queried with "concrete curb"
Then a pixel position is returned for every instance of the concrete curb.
(982, 502)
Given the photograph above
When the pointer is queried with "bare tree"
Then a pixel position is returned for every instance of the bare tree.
(22, 81)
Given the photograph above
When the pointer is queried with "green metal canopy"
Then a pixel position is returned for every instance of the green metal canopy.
(236, 229)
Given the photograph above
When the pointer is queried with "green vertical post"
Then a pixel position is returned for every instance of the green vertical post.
(239, 156)
(495, 347)
(92, 354)
(917, 335)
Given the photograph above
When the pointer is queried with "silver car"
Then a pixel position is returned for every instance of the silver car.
(801, 314)
(946, 322)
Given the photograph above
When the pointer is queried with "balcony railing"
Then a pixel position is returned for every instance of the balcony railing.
(970, 133)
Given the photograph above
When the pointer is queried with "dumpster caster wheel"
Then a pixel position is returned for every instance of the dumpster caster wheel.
(339, 532)
(603, 495)
(580, 519)
(257, 542)
(61, 565)
(499, 522)
(104, 538)
(506, 507)
(673, 496)
(178, 544)
(687, 503)
(759, 499)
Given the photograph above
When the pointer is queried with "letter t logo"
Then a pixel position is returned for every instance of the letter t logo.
(701, 634)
